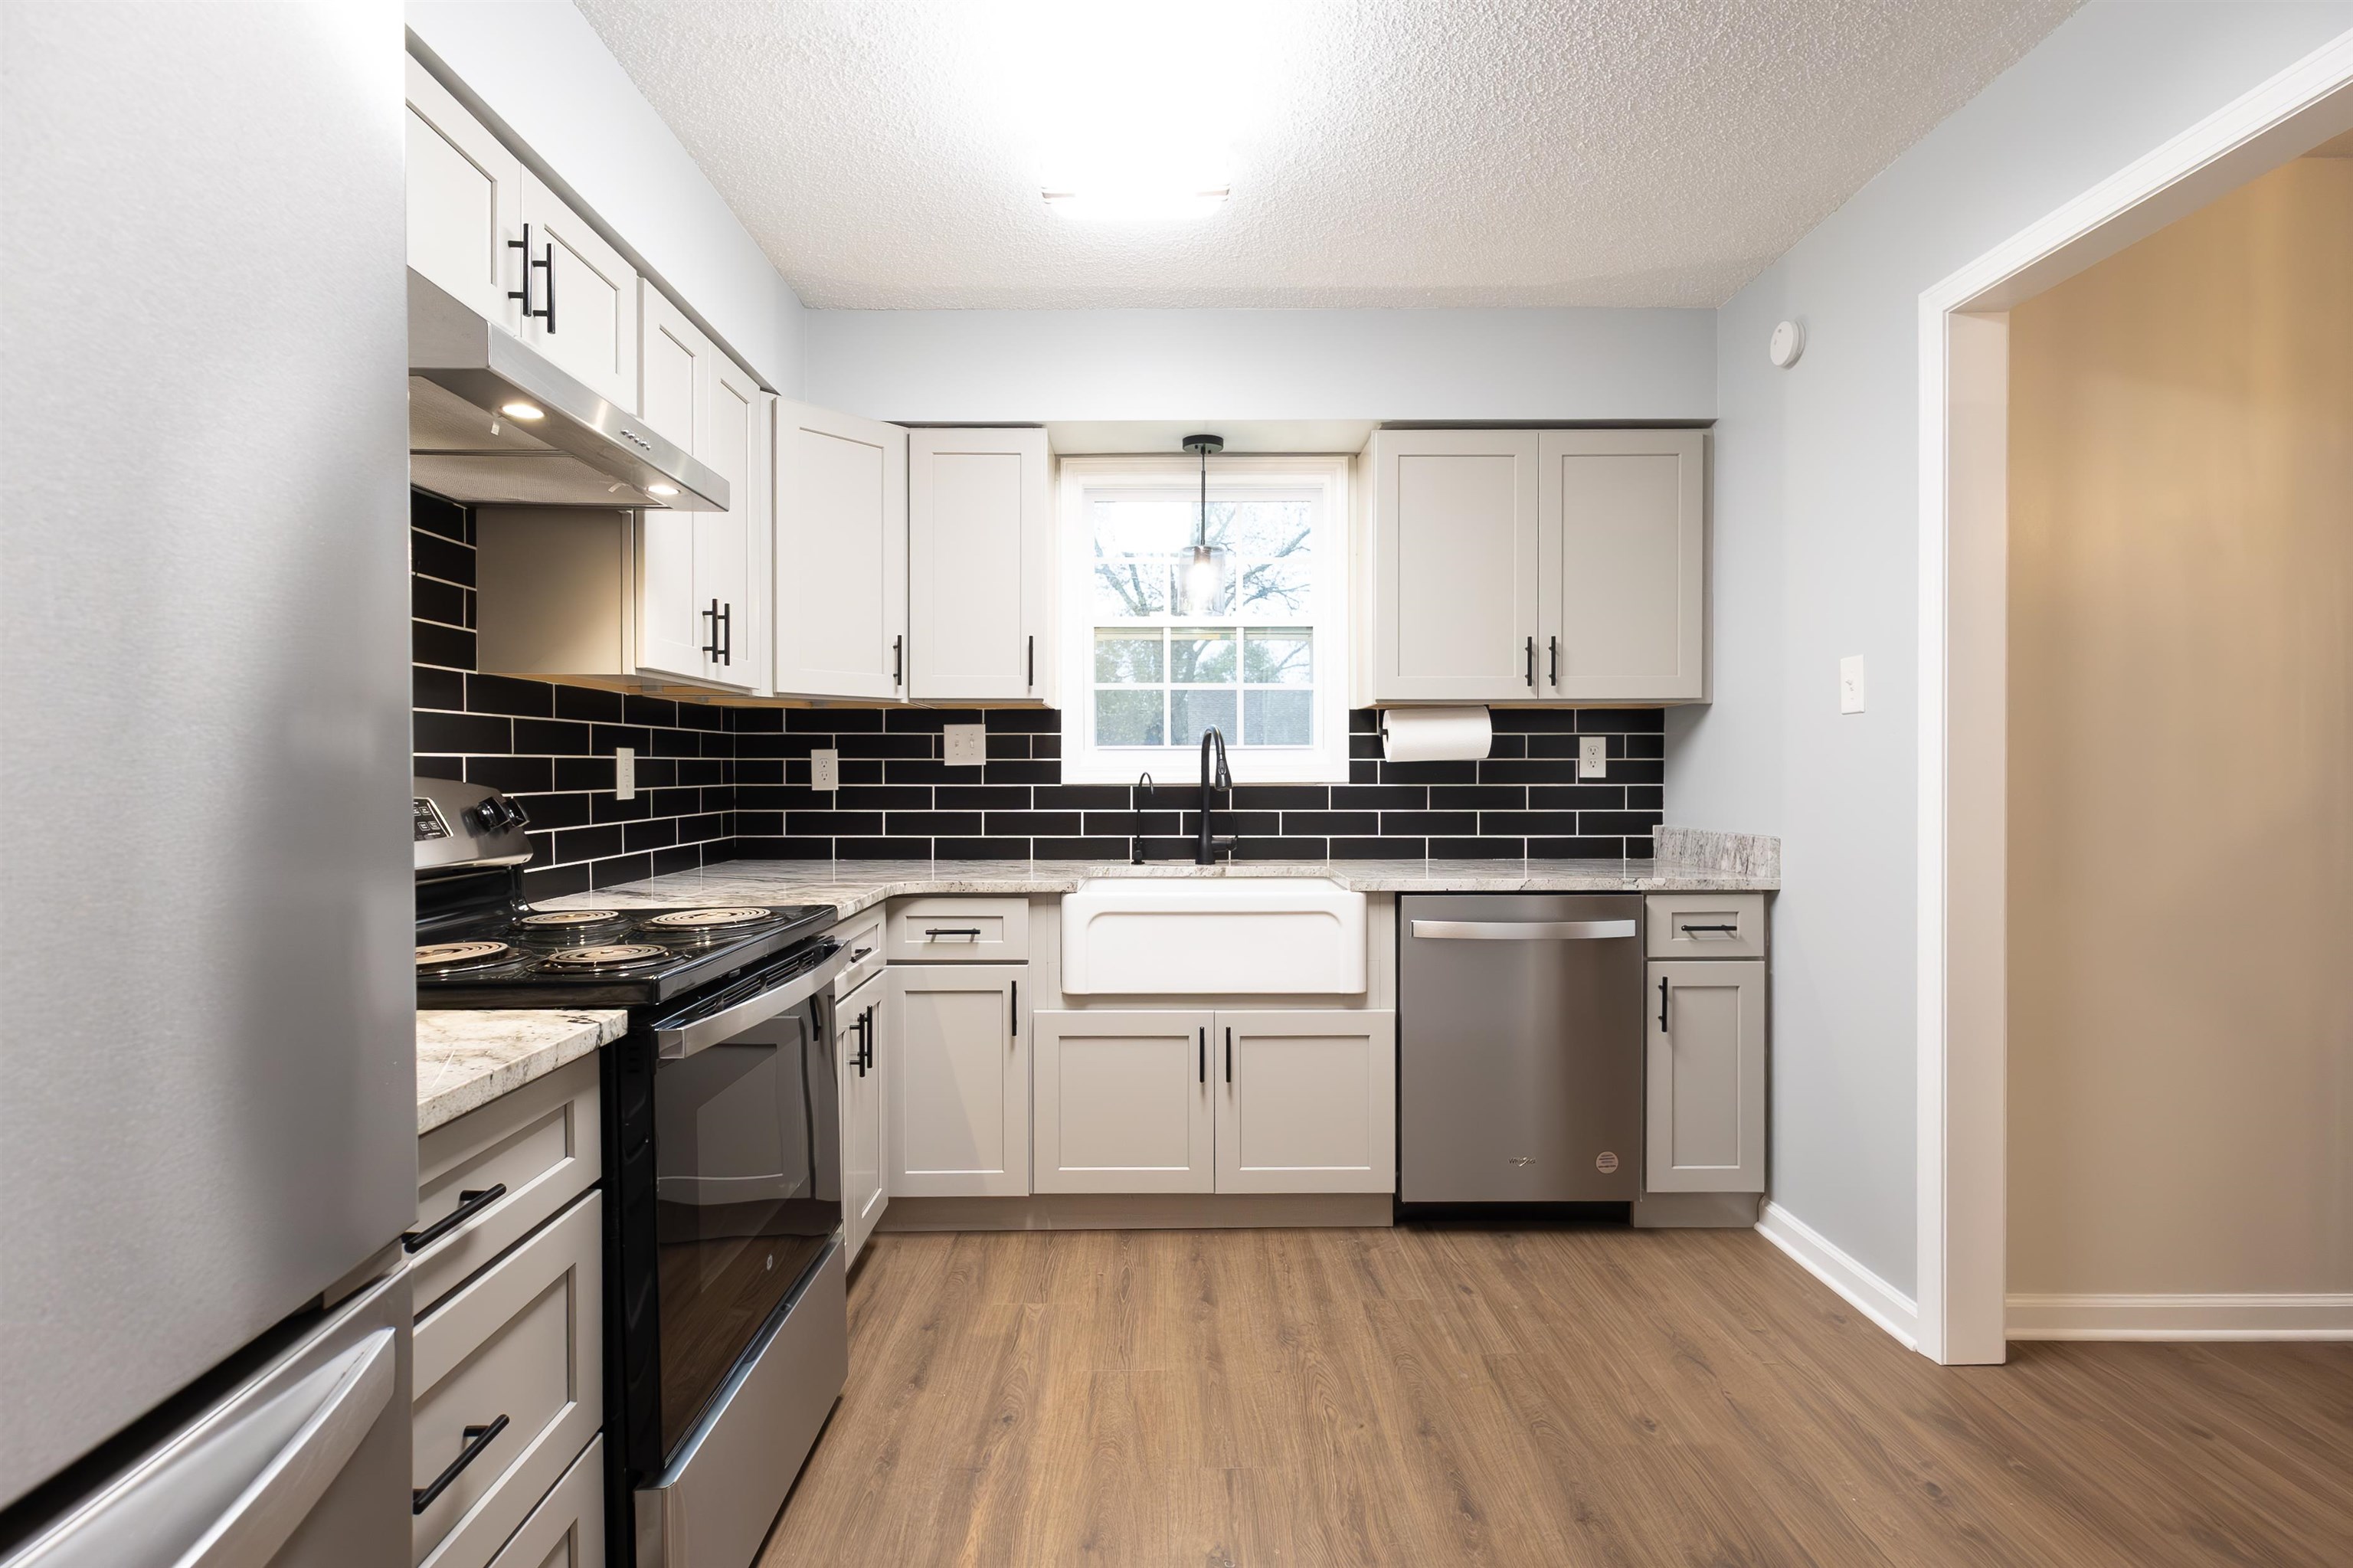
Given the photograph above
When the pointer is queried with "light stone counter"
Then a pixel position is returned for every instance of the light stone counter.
(466, 1059)
(850, 886)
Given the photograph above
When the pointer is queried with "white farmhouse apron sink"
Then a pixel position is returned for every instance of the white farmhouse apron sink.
(1213, 936)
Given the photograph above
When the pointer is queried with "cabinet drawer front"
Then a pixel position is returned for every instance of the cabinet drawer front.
(539, 1142)
(982, 930)
(567, 1529)
(861, 937)
(525, 1340)
(1705, 925)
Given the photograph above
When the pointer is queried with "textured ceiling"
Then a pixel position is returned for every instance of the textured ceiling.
(889, 153)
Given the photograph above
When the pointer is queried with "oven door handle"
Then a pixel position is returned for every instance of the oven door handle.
(673, 1044)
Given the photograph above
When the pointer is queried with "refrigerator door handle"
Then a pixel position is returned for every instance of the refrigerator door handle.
(277, 1499)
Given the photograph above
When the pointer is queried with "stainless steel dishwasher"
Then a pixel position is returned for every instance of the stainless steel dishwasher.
(1520, 1047)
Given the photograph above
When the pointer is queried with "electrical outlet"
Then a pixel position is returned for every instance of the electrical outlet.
(967, 744)
(825, 770)
(1850, 684)
(624, 772)
(1593, 757)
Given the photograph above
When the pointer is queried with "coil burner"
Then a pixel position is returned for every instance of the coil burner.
(710, 920)
(567, 919)
(448, 957)
(612, 955)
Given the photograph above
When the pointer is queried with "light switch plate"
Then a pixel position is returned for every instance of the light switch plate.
(967, 745)
(1593, 757)
(624, 773)
(825, 770)
(1850, 684)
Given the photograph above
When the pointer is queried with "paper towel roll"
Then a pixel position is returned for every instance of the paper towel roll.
(1436, 735)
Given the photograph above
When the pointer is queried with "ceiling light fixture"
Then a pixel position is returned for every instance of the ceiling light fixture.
(522, 411)
(1205, 573)
(1137, 201)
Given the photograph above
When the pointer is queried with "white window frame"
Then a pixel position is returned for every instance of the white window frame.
(1326, 761)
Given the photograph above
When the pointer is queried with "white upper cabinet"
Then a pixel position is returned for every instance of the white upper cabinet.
(583, 307)
(728, 546)
(673, 364)
(701, 615)
(981, 542)
(1533, 566)
(840, 607)
(1453, 540)
(1625, 565)
(464, 203)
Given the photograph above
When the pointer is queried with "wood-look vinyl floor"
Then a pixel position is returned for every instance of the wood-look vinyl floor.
(1575, 1397)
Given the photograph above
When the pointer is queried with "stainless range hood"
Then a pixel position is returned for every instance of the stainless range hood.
(464, 373)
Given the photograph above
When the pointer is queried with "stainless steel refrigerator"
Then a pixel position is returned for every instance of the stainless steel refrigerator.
(208, 1136)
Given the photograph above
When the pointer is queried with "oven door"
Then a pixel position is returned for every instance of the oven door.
(746, 1178)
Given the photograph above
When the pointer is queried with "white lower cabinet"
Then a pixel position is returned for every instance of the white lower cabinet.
(956, 1051)
(509, 1389)
(566, 1530)
(863, 1022)
(1124, 1103)
(1216, 1101)
(1307, 1101)
(1704, 1077)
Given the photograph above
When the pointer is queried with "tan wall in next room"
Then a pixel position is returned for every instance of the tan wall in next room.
(2181, 756)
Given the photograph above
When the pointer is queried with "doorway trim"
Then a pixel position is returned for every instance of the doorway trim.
(1964, 327)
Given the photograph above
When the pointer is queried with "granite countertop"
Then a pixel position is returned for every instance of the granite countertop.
(466, 1059)
(852, 886)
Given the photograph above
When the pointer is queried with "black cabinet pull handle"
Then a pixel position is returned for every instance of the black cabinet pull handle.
(1017, 1010)
(866, 1042)
(858, 953)
(972, 931)
(1229, 1055)
(1532, 664)
(727, 638)
(477, 1439)
(899, 660)
(546, 311)
(711, 649)
(469, 1204)
(1728, 929)
(1033, 661)
(1662, 1004)
(1205, 1052)
(1555, 661)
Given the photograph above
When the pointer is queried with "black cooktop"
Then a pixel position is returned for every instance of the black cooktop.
(608, 957)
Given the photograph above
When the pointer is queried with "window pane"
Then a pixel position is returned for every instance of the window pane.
(1276, 588)
(1127, 718)
(1122, 658)
(1279, 718)
(1144, 527)
(1192, 712)
(1132, 587)
(1279, 656)
(1274, 529)
(1202, 656)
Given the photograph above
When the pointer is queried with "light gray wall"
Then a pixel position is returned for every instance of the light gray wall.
(540, 67)
(1815, 514)
(981, 365)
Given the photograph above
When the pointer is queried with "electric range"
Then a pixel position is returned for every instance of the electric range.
(726, 1317)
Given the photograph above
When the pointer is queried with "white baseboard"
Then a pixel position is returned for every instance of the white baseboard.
(2238, 1316)
(1869, 1295)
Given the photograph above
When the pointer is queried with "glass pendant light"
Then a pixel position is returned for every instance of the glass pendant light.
(1205, 573)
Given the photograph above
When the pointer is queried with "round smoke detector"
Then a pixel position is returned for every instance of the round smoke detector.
(1789, 341)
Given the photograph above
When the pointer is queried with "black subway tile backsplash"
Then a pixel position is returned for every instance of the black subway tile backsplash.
(716, 783)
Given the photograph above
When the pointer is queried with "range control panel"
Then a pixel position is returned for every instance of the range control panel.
(430, 822)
